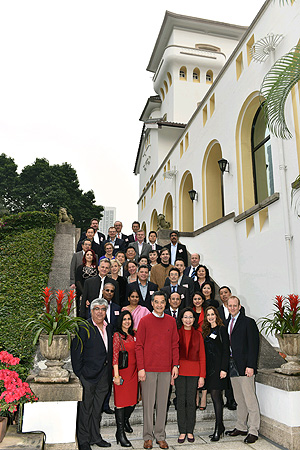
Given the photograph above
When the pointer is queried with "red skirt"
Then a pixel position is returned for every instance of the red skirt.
(126, 394)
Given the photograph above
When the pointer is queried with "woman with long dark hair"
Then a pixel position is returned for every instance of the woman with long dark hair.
(208, 290)
(86, 270)
(202, 274)
(216, 343)
(125, 380)
(191, 372)
(115, 266)
(137, 311)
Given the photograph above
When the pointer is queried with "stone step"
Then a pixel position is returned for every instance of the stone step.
(26, 441)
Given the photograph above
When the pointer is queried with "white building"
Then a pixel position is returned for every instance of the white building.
(207, 107)
(108, 219)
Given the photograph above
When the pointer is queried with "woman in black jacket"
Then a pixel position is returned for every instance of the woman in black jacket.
(216, 343)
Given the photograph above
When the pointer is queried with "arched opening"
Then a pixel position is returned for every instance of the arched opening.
(144, 227)
(211, 183)
(196, 75)
(262, 162)
(182, 73)
(168, 209)
(169, 78)
(153, 220)
(246, 194)
(186, 209)
(209, 77)
(162, 94)
(166, 87)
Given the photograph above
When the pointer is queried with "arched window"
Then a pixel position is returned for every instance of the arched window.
(166, 87)
(169, 78)
(261, 158)
(196, 75)
(182, 73)
(162, 94)
(209, 77)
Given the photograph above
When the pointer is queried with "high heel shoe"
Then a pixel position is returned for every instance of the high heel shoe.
(218, 433)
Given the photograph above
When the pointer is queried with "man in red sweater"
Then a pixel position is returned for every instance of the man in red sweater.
(157, 355)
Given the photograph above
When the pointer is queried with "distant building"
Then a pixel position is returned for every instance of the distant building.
(108, 219)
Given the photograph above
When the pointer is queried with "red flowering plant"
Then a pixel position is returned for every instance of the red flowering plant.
(13, 391)
(286, 317)
(57, 317)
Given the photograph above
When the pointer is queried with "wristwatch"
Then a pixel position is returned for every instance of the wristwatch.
(177, 366)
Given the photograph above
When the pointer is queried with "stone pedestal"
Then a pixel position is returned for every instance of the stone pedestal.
(55, 412)
(279, 402)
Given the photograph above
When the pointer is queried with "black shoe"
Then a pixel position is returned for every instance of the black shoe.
(231, 406)
(108, 411)
(250, 439)
(120, 434)
(236, 432)
(102, 443)
(218, 433)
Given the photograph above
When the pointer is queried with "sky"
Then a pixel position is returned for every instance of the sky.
(73, 84)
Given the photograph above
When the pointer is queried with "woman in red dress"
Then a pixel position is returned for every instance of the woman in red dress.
(125, 380)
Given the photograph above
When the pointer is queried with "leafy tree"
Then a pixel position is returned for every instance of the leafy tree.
(44, 187)
(8, 183)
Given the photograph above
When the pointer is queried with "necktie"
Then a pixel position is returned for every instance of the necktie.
(231, 327)
(173, 289)
(193, 273)
(153, 246)
(174, 314)
(135, 238)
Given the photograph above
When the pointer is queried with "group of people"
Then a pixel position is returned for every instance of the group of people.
(161, 328)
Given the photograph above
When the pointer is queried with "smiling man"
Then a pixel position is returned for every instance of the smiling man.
(92, 364)
(157, 354)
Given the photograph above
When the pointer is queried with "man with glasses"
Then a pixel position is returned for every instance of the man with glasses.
(92, 364)
(93, 288)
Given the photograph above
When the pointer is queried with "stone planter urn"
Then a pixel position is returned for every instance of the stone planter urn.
(55, 354)
(3, 427)
(290, 345)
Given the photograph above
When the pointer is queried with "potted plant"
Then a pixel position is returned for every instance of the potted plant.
(284, 323)
(54, 328)
(13, 391)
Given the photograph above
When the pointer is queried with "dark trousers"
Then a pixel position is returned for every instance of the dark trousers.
(89, 409)
(186, 388)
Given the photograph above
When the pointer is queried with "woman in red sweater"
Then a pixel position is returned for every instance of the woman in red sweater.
(191, 372)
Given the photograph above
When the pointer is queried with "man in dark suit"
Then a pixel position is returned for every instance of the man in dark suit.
(191, 271)
(140, 246)
(244, 347)
(90, 233)
(118, 226)
(93, 288)
(183, 280)
(144, 287)
(175, 287)
(135, 227)
(112, 315)
(152, 237)
(177, 250)
(118, 244)
(98, 237)
(174, 305)
(92, 364)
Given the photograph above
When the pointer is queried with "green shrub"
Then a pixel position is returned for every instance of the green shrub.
(26, 221)
(25, 262)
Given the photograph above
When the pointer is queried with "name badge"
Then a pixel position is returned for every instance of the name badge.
(213, 336)
(151, 292)
(185, 285)
(180, 250)
(117, 246)
(126, 240)
(182, 296)
(117, 313)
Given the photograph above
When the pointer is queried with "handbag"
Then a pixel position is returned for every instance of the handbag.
(233, 370)
(123, 355)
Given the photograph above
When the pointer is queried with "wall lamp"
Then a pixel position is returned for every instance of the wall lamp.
(223, 163)
(193, 195)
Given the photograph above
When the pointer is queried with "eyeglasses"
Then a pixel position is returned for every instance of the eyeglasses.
(109, 290)
(99, 309)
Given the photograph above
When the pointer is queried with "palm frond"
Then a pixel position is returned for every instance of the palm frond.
(275, 88)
